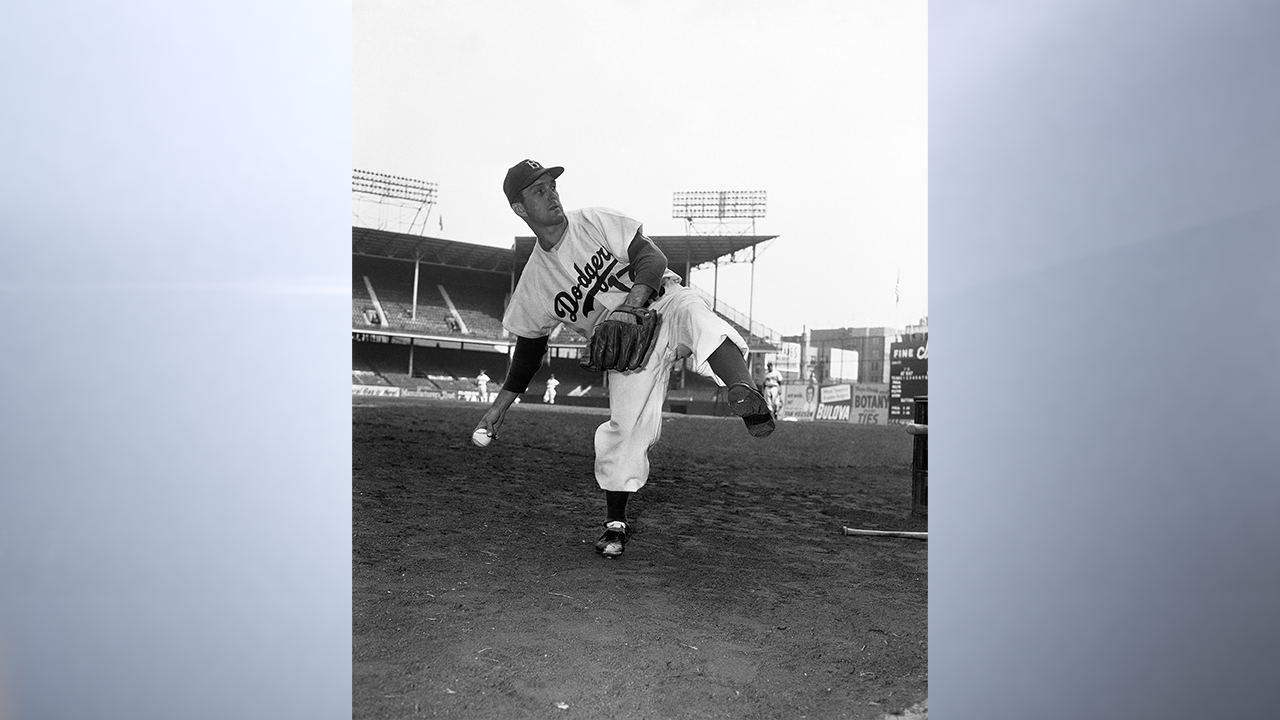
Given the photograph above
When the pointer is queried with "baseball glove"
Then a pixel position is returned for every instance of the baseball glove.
(622, 340)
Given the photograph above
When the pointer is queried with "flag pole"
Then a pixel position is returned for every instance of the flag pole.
(896, 298)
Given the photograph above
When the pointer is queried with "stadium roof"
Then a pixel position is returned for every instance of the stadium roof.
(682, 251)
(451, 253)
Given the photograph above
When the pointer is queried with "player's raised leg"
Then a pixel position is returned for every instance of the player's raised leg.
(745, 400)
(719, 352)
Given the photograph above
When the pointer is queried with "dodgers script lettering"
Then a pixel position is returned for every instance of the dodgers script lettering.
(598, 275)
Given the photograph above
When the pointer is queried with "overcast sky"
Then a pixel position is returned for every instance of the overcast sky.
(821, 104)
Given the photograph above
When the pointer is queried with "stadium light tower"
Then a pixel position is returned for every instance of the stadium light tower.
(715, 211)
(722, 212)
(391, 193)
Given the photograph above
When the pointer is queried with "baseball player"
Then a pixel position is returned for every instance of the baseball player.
(596, 271)
(482, 384)
(549, 396)
(773, 388)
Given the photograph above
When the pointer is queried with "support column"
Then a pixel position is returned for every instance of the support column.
(751, 301)
(413, 313)
(687, 252)
(715, 287)
(804, 354)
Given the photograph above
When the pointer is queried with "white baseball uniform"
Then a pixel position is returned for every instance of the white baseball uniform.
(578, 283)
(773, 390)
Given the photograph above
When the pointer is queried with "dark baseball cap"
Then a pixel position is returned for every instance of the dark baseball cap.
(522, 175)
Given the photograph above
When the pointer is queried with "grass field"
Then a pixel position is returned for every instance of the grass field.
(476, 593)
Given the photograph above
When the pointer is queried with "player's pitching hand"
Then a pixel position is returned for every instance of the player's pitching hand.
(491, 421)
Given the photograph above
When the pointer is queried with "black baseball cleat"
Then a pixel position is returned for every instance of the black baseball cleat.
(747, 403)
(613, 540)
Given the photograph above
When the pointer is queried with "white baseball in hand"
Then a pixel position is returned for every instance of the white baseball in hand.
(481, 437)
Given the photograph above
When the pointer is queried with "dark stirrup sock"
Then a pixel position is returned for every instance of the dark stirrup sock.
(727, 363)
(617, 505)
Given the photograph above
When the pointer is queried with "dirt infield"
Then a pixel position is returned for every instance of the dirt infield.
(476, 593)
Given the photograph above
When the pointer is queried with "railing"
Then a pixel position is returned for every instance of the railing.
(753, 327)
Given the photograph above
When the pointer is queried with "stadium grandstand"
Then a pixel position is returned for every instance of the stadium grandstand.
(426, 318)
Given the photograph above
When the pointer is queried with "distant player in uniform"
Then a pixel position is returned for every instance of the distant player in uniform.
(549, 396)
(593, 264)
(482, 384)
(773, 388)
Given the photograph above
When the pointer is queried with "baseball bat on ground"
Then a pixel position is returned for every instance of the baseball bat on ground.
(887, 533)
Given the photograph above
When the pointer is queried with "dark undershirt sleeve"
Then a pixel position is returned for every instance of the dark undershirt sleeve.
(525, 362)
(648, 264)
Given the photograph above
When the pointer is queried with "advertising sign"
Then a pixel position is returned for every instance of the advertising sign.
(799, 401)
(870, 404)
(833, 403)
(908, 376)
(788, 358)
(856, 403)
(843, 365)
(376, 390)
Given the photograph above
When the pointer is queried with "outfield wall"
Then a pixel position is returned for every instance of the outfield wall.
(856, 403)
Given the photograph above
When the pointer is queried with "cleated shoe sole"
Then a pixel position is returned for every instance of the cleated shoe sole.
(747, 403)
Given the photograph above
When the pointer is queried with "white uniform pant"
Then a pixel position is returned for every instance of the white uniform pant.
(772, 395)
(689, 328)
